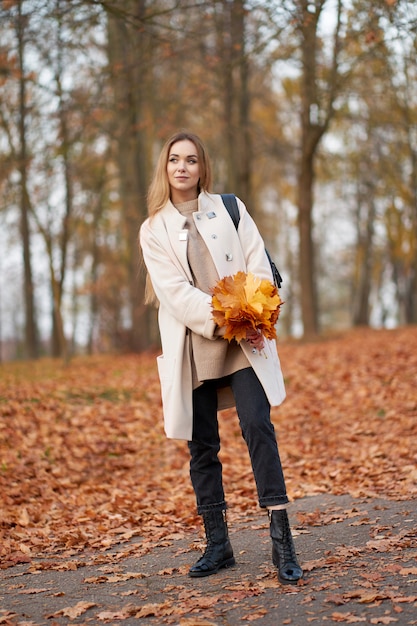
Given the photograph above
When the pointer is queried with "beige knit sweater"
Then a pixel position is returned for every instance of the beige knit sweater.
(210, 359)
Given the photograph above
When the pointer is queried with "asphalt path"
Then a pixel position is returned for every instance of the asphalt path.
(359, 556)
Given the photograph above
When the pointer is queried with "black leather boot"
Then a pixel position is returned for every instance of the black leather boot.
(283, 550)
(218, 551)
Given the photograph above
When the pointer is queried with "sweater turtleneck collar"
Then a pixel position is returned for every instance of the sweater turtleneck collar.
(187, 207)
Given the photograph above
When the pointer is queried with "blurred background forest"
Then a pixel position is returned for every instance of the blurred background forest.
(309, 111)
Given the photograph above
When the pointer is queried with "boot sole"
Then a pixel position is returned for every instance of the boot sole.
(284, 581)
(227, 563)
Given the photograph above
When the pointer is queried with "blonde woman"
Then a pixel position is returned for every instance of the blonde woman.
(188, 242)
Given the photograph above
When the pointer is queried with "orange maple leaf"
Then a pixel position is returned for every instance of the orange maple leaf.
(243, 302)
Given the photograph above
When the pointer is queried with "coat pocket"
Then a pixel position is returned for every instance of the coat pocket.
(166, 367)
(166, 372)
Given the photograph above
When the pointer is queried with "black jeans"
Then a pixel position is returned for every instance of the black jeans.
(253, 410)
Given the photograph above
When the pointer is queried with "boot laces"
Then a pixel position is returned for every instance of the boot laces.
(284, 544)
(287, 542)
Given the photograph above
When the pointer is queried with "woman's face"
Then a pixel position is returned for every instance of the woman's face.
(183, 171)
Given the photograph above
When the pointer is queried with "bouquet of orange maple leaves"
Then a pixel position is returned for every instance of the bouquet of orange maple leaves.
(245, 302)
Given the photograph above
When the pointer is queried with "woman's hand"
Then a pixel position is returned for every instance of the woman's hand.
(255, 339)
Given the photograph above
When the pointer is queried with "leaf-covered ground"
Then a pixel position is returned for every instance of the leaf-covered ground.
(85, 465)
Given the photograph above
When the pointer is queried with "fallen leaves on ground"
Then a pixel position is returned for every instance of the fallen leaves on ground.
(85, 467)
(84, 462)
(73, 611)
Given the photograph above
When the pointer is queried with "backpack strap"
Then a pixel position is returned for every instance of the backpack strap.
(275, 273)
(230, 202)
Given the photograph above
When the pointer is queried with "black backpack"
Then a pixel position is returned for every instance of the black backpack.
(230, 202)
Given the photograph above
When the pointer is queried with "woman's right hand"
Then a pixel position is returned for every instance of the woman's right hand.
(255, 339)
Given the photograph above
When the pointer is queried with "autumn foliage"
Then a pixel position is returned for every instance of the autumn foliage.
(85, 465)
(246, 302)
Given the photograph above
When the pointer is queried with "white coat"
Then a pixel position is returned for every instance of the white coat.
(163, 239)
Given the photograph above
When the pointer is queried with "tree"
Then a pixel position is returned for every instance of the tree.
(129, 50)
(319, 88)
(235, 96)
(405, 100)
(383, 108)
(271, 87)
(31, 331)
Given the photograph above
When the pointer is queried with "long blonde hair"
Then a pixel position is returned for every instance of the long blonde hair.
(159, 191)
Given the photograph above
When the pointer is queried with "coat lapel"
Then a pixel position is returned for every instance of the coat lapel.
(177, 234)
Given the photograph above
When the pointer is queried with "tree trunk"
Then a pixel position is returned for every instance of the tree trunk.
(243, 147)
(95, 262)
(307, 274)
(59, 341)
(128, 47)
(236, 98)
(411, 308)
(316, 113)
(365, 236)
(31, 332)
(310, 135)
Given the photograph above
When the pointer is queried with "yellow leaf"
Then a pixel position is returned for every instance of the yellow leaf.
(243, 302)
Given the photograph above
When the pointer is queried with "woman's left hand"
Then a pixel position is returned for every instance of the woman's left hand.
(255, 339)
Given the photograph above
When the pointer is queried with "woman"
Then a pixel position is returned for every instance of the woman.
(189, 241)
